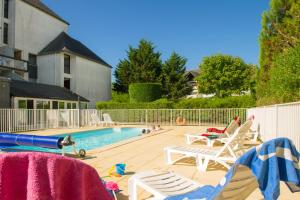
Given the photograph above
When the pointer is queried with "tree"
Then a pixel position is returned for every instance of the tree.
(224, 75)
(175, 85)
(143, 64)
(284, 84)
(280, 31)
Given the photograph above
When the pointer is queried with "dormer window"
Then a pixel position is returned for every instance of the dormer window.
(6, 8)
(67, 64)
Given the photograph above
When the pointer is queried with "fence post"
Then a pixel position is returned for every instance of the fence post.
(9, 121)
(171, 117)
(199, 117)
(78, 117)
(146, 118)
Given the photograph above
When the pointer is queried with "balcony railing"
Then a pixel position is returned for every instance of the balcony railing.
(12, 63)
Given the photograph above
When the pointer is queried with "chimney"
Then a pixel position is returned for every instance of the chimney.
(4, 92)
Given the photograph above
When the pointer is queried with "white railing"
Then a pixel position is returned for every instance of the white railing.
(13, 63)
(16, 120)
(281, 120)
(211, 117)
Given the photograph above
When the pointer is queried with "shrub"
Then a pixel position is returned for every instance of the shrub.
(158, 104)
(144, 92)
(229, 102)
(214, 102)
(284, 84)
(120, 97)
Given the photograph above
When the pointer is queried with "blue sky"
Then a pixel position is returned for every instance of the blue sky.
(192, 28)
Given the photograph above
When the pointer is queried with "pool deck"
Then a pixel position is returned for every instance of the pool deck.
(146, 153)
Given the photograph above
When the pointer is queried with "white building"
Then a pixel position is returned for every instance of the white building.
(35, 47)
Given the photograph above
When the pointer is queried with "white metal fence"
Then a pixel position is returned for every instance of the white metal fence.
(169, 116)
(282, 120)
(16, 120)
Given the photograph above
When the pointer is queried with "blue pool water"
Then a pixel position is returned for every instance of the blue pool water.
(90, 139)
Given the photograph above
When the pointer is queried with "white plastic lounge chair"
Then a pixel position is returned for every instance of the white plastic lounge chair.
(191, 138)
(107, 119)
(166, 184)
(64, 118)
(261, 167)
(226, 154)
(95, 120)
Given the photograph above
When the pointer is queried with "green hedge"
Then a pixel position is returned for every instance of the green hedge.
(159, 104)
(229, 102)
(144, 92)
(119, 97)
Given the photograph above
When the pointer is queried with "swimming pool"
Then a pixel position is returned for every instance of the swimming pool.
(89, 140)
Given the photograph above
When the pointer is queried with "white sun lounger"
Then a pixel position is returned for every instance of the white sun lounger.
(166, 184)
(223, 155)
(95, 120)
(191, 138)
(107, 119)
(64, 118)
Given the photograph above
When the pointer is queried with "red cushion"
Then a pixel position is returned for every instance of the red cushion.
(215, 130)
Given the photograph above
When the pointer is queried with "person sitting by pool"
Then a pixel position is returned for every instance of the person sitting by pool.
(158, 128)
(145, 131)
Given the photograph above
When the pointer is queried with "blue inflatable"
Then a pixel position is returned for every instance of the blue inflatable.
(52, 142)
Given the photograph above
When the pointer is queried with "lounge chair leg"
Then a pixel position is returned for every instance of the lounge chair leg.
(210, 143)
(202, 163)
(168, 158)
(189, 140)
(255, 137)
(132, 190)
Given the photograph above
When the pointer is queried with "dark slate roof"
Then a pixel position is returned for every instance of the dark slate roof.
(65, 42)
(192, 74)
(41, 6)
(42, 91)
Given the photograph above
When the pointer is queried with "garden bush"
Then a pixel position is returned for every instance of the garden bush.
(245, 101)
(158, 104)
(144, 92)
(214, 102)
(120, 97)
(284, 84)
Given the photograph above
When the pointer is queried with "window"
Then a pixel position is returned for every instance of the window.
(32, 59)
(30, 104)
(74, 106)
(39, 105)
(83, 105)
(61, 105)
(32, 66)
(43, 105)
(67, 64)
(46, 104)
(54, 105)
(6, 7)
(25, 104)
(67, 82)
(5, 33)
(69, 105)
(22, 104)
(18, 54)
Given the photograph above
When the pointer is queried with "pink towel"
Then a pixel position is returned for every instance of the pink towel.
(43, 176)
